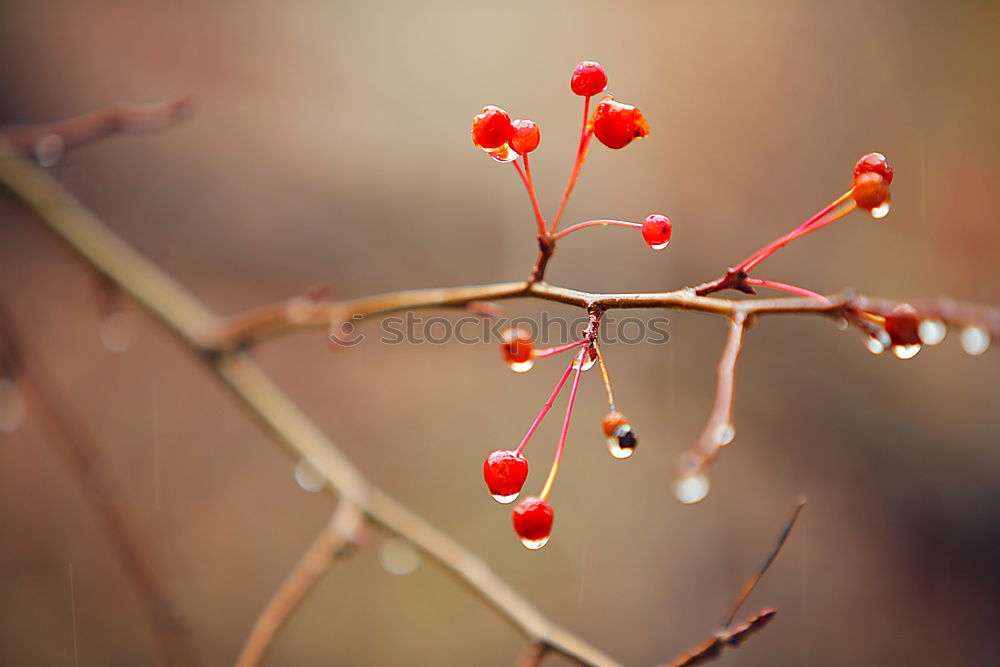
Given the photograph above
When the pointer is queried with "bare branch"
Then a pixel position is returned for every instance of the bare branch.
(335, 540)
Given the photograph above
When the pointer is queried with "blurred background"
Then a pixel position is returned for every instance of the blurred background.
(331, 143)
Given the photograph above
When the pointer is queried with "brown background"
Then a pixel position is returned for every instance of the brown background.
(331, 143)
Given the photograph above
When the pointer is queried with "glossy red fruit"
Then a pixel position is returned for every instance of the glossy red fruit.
(903, 325)
(617, 124)
(533, 522)
(516, 346)
(505, 471)
(870, 190)
(874, 162)
(526, 136)
(491, 128)
(589, 78)
(656, 231)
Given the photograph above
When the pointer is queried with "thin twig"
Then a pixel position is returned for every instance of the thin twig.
(335, 539)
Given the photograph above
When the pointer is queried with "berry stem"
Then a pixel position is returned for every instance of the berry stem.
(565, 428)
(785, 287)
(545, 409)
(581, 155)
(607, 378)
(529, 185)
(596, 223)
(550, 351)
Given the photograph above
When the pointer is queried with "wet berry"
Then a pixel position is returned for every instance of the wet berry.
(656, 231)
(505, 471)
(902, 325)
(516, 345)
(620, 436)
(526, 136)
(870, 191)
(874, 162)
(533, 522)
(589, 78)
(491, 128)
(617, 124)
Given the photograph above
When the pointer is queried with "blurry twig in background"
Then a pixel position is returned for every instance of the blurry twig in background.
(69, 436)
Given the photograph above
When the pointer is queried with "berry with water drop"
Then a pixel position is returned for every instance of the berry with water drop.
(874, 162)
(589, 78)
(505, 471)
(620, 436)
(656, 230)
(902, 324)
(533, 522)
(526, 136)
(517, 347)
(492, 128)
(617, 124)
(870, 190)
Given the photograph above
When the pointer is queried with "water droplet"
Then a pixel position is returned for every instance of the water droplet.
(502, 154)
(874, 345)
(118, 331)
(726, 434)
(691, 489)
(589, 359)
(905, 351)
(975, 340)
(659, 246)
(535, 544)
(12, 409)
(841, 324)
(622, 442)
(49, 150)
(881, 211)
(521, 367)
(398, 556)
(932, 332)
(505, 499)
(309, 476)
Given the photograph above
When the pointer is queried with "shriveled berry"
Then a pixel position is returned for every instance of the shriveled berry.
(505, 471)
(533, 522)
(516, 346)
(903, 325)
(526, 136)
(589, 78)
(874, 162)
(870, 190)
(491, 128)
(617, 124)
(656, 230)
(621, 438)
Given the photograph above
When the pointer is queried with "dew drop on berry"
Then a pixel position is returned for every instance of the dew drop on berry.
(622, 442)
(521, 367)
(932, 332)
(691, 488)
(881, 210)
(535, 544)
(726, 434)
(502, 154)
(309, 476)
(504, 500)
(906, 351)
(398, 556)
(975, 340)
(12, 410)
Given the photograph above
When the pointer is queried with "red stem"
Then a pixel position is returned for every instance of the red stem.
(785, 287)
(581, 155)
(565, 428)
(525, 175)
(545, 409)
(548, 352)
(595, 223)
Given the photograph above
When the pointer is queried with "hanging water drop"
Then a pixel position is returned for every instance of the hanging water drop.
(589, 359)
(881, 210)
(504, 500)
(975, 340)
(932, 332)
(659, 246)
(726, 434)
(521, 366)
(874, 345)
(49, 150)
(905, 351)
(841, 324)
(12, 410)
(502, 154)
(398, 556)
(309, 476)
(622, 442)
(691, 488)
(535, 544)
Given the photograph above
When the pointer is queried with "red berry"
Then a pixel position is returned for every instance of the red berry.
(620, 436)
(526, 136)
(505, 472)
(589, 78)
(617, 124)
(516, 346)
(491, 128)
(902, 324)
(874, 162)
(656, 231)
(870, 190)
(533, 522)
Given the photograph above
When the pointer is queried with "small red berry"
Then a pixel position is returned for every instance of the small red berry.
(903, 325)
(533, 522)
(871, 193)
(874, 162)
(589, 78)
(505, 471)
(516, 348)
(526, 136)
(617, 124)
(491, 128)
(656, 231)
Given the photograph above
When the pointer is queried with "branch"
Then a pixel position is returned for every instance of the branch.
(71, 439)
(48, 141)
(335, 540)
